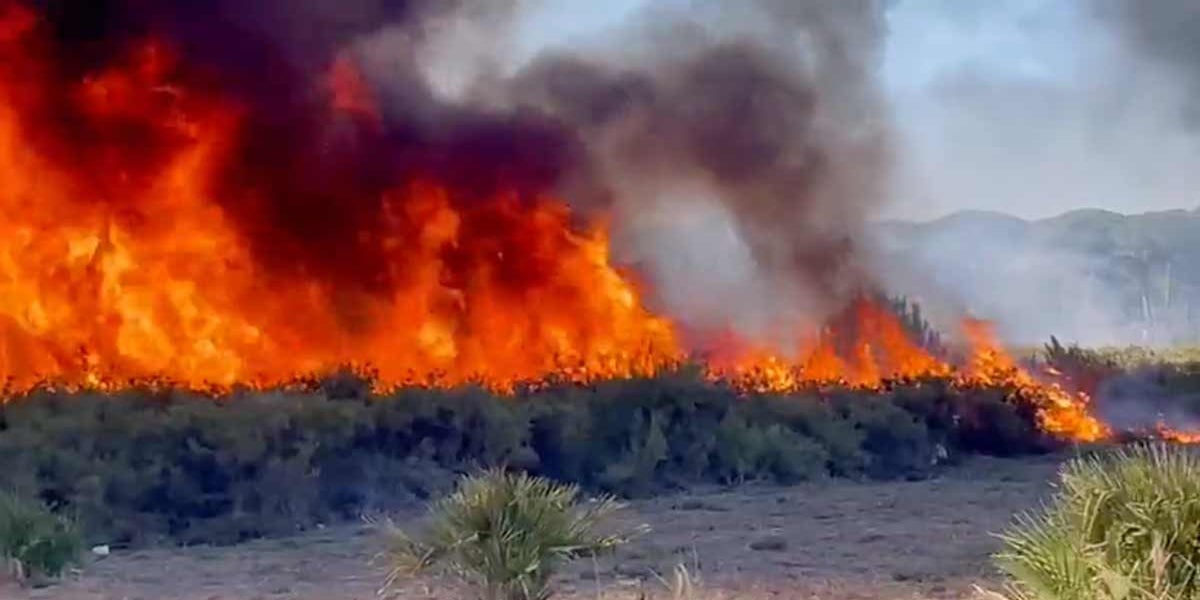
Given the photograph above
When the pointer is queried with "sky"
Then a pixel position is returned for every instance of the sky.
(1029, 107)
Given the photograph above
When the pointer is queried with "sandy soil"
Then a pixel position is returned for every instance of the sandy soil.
(833, 539)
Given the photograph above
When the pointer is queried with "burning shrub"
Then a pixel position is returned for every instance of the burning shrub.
(1138, 389)
(1124, 526)
(507, 534)
(35, 542)
(1086, 369)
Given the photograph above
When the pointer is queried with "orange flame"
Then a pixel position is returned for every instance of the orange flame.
(865, 348)
(125, 267)
(118, 262)
(1059, 412)
(1174, 435)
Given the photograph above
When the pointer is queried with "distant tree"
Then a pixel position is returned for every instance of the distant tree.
(918, 327)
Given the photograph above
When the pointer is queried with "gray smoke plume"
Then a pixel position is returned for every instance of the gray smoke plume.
(753, 133)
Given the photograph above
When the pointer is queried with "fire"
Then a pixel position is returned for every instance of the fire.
(349, 91)
(864, 346)
(134, 246)
(1059, 411)
(1173, 435)
(867, 348)
(117, 263)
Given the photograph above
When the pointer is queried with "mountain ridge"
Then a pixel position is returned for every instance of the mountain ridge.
(1092, 275)
(1069, 214)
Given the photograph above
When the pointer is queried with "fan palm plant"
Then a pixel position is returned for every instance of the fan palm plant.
(507, 534)
(35, 542)
(1123, 526)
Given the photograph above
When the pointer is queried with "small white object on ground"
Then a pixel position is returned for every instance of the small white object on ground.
(101, 550)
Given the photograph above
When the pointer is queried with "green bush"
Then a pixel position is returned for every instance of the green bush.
(506, 534)
(895, 441)
(35, 542)
(1123, 526)
(636, 468)
(746, 452)
(986, 423)
(815, 418)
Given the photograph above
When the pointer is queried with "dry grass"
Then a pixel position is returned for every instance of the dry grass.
(1125, 357)
(1138, 356)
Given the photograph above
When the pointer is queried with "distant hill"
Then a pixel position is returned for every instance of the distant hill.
(1091, 275)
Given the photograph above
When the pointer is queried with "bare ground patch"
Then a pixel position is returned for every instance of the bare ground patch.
(829, 539)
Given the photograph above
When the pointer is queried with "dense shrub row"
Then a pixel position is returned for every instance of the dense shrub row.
(147, 465)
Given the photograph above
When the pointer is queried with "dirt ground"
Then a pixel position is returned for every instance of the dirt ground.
(840, 540)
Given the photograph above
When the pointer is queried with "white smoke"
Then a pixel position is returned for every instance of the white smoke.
(1032, 109)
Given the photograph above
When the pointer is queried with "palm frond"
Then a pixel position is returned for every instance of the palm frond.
(1123, 526)
(507, 534)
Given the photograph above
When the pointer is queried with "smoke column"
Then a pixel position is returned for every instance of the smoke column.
(742, 146)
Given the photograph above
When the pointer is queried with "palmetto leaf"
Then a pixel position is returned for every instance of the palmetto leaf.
(1123, 526)
(507, 533)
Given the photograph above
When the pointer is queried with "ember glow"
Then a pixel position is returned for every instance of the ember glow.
(1174, 435)
(140, 241)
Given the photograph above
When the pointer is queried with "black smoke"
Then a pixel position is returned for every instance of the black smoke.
(770, 107)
